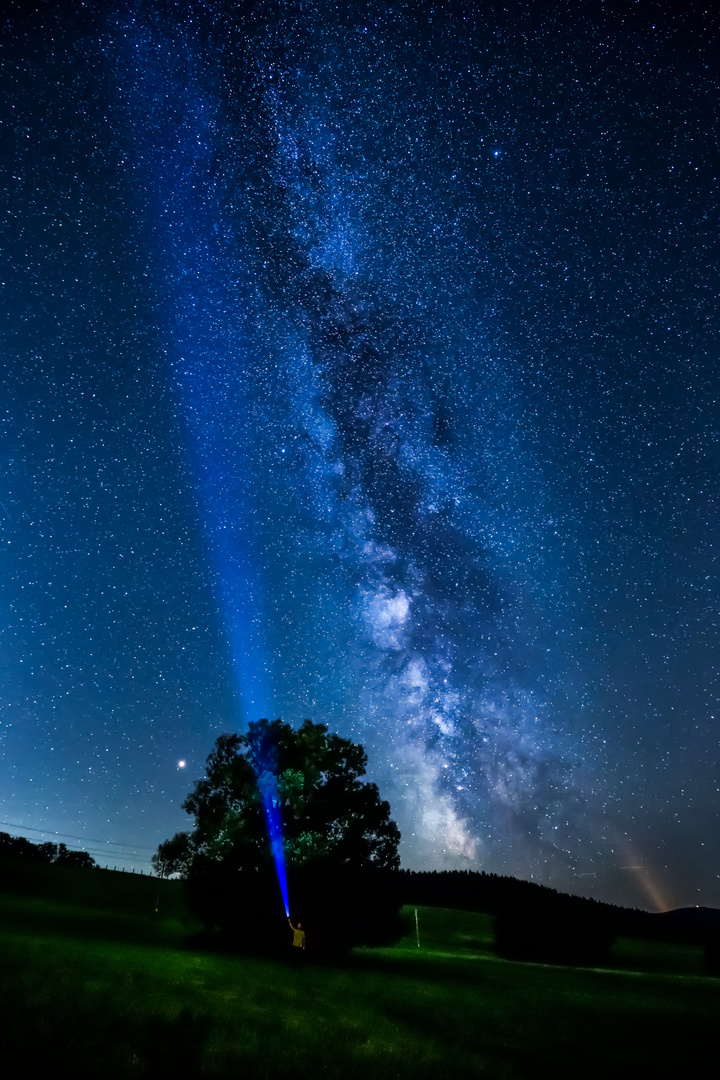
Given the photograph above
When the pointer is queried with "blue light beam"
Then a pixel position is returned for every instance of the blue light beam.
(271, 804)
(208, 311)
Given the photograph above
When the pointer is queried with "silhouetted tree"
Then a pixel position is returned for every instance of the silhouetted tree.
(17, 847)
(174, 856)
(68, 857)
(339, 839)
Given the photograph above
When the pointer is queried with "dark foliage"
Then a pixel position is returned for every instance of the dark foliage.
(554, 936)
(174, 856)
(339, 840)
(17, 847)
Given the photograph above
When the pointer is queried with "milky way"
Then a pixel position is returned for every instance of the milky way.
(362, 367)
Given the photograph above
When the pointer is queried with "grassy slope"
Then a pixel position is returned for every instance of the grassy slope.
(107, 988)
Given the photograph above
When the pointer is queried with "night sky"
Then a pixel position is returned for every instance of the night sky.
(360, 363)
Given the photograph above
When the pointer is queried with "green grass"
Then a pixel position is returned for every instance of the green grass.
(109, 989)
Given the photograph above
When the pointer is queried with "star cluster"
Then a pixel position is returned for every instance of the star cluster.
(361, 364)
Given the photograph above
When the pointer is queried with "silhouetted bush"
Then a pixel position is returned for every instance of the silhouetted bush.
(553, 936)
(245, 905)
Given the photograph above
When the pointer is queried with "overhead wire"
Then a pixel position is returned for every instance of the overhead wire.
(135, 849)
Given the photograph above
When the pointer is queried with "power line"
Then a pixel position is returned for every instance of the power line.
(102, 854)
(70, 836)
(122, 853)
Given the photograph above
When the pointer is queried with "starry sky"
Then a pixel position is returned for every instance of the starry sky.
(360, 363)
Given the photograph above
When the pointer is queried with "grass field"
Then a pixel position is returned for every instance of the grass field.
(95, 984)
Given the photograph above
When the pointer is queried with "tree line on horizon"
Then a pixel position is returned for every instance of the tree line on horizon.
(18, 847)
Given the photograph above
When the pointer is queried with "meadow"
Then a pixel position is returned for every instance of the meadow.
(95, 982)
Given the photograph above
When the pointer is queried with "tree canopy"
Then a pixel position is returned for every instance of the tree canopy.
(337, 831)
(329, 815)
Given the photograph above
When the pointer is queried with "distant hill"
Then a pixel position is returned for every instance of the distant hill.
(689, 924)
(492, 894)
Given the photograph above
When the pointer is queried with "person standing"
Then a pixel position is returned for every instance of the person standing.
(298, 941)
